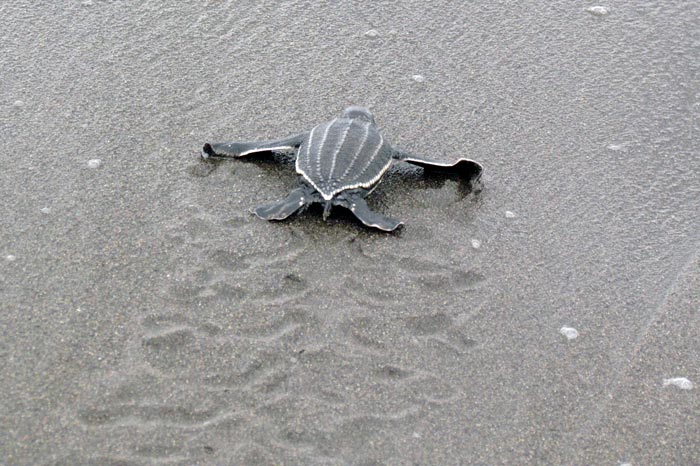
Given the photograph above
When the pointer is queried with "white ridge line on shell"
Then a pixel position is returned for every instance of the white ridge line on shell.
(369, 183)
(357, 154)
(327, 197)
(300, 169)
(371, 159)
(320, 147)
(337, 150)
(308, 148)
(360, 185)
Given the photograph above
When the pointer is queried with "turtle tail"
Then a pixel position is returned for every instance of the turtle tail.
(327, 210)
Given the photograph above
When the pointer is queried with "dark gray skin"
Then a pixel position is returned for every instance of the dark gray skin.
(326, 157)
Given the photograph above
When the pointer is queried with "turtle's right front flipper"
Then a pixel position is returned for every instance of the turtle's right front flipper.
(280, 210)
(241, 149)
(466, 169)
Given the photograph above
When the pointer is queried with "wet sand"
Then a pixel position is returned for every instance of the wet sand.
(147, 317)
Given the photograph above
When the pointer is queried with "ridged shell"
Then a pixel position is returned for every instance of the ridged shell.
(343, 154)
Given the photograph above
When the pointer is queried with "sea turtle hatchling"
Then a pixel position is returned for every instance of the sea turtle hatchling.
(340, 163)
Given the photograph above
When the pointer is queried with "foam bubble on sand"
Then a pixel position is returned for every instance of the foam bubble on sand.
(372, 34)
(46, 210)
(680, 382)
(569, 332)
(10, 257)
(18, 104)
(510, 214)
(94, 163)
(598, 10)
(419, 78)
(476, 244)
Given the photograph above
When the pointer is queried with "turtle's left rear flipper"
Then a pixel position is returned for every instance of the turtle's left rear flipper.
(466, 169)
(241, 149)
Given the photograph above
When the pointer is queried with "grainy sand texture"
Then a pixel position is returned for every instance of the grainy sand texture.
(147, 318)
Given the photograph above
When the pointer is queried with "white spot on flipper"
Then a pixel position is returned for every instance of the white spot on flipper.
(510, 214)
(569, 332)
(680, 382)
(419, 78)
(94, 163)
(598, 10)
(476, 244)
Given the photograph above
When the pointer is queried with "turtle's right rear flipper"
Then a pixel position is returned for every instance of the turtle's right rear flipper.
(282, 209)
(242, 149)
(361, 210)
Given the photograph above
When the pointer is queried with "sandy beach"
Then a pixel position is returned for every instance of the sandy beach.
(146, 317)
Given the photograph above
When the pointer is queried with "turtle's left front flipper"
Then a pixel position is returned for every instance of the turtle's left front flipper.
(466, 169)
(241, 149)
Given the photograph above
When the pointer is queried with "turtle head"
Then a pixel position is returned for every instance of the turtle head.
(360, 113)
